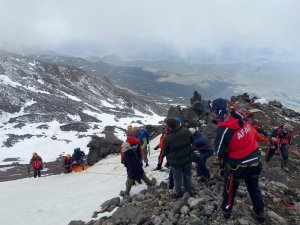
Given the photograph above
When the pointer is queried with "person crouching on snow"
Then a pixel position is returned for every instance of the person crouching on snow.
(68, 161)
(36, 163)
(134, 168)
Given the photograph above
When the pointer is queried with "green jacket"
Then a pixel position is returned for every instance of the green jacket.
(177, 147)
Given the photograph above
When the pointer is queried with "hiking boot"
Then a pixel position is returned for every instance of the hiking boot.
(123, 193)
(167, 165)
(158, 167)
(261, 217)
(204, 179)
(153, 181)
(226, 215)
(146, 165)
(174, 195)
(284, 166)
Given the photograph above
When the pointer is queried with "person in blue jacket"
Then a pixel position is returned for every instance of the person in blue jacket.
(78, 156)
(143, 136)
(205, 149)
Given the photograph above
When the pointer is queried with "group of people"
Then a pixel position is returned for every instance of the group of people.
(36, 162)
(236, 147)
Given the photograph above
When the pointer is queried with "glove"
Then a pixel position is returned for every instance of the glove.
(156, 147)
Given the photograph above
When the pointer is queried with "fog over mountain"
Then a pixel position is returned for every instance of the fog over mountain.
(154, 28)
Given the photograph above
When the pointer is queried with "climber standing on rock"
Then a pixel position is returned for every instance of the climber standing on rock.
(281, 138)
(180, 155)
(205, 149)
(237, 147)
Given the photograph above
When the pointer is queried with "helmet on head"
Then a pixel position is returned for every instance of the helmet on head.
(192, 130)
(287, 128)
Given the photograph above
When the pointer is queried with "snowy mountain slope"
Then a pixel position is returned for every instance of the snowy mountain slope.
(52, 108)
(62, 198)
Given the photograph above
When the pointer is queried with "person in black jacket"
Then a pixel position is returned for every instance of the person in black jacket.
(177, 146)
(134, 168)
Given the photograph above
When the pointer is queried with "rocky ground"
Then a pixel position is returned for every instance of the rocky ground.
(280, 189)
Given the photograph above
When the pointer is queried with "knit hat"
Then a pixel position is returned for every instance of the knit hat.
(125, 146)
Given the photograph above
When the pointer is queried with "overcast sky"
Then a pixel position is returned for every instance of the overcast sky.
(117, 26)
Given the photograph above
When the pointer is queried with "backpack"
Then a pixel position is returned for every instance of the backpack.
(36, 164)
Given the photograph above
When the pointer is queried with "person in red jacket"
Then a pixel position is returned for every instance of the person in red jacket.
(236, 145)
(68, 161)
(281, 138)
(161, 154)
(135, 144)
(36, 163)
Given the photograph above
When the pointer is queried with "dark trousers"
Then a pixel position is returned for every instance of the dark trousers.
(171, 179)
(250, 175)
(202, 169)
(184, 172)
(283, 149)
(36, 173)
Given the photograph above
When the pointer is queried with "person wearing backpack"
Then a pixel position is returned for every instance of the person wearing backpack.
(78, 156)
(143, 136)
(134, 169)
(36, 163)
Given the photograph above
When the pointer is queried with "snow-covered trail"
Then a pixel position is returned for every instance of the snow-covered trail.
(56, 200)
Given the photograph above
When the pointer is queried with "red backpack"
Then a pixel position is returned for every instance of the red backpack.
(36, 164)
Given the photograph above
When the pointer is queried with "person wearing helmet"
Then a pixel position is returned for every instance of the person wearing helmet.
(134, 169)
(68, 161)
(281, 137)
(77, 157)
(36, 163)
(205, 149)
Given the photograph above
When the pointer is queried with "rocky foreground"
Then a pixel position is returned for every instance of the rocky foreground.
(281, 189)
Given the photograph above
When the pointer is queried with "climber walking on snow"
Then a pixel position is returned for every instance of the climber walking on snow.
(36, 163)
(134, 169)
(143, 136)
